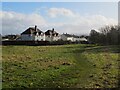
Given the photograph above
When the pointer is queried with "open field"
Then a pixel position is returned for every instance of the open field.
(65, 66)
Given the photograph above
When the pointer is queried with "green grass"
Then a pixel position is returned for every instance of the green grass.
(65, 66)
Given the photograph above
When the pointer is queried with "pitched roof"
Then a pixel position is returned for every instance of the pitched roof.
(31, 30)
(67, 35)
(51, 32)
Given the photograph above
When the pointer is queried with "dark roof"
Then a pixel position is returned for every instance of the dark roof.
(51, 32)
(31, 30)
(69, 35)
(75, 36)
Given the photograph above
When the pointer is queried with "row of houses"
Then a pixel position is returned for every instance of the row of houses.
(35, 34)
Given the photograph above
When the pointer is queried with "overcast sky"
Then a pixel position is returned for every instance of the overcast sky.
(65, 17)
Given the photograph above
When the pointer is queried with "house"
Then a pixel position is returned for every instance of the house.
(52, 35)
(76, 38)
(32, 33)
(67, 37)
(73, 38)
(9, 37)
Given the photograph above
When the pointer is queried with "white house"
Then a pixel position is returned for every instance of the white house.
(73, 38)
(67, 37)
(32, 33)
(51, 35)
(83, 39)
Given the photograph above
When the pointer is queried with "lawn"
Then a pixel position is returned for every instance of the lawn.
(62, 66)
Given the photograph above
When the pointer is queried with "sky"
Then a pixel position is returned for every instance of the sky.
(64, 17)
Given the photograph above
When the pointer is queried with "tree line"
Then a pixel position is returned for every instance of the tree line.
(107, 35)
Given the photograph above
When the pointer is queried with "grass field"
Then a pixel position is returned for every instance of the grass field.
(65, 66)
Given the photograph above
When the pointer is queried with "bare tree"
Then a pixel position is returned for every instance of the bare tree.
(109, 35)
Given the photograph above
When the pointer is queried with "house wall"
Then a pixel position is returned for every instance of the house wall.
(30, 38)
(48, 38)
(73, 39)
(40, 38)
(70, 39)
(52, 38)
(63, 37)
(27, 37)
(80, 39)
(76, 39)
(83, 39)
(56, 38)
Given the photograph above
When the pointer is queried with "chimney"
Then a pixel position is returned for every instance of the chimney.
(53, 29)
(35, 28)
